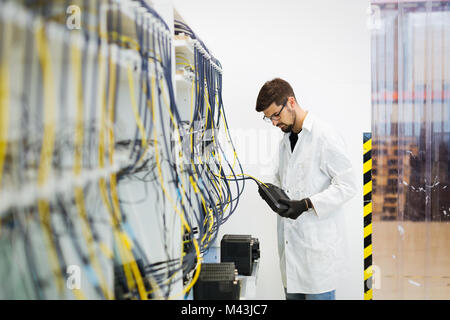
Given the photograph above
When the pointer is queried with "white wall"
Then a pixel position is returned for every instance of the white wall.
(323, 49)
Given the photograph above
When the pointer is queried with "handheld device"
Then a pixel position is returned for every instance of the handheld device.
(272, 194)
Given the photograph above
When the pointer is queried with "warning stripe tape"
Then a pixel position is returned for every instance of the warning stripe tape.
(367, 204)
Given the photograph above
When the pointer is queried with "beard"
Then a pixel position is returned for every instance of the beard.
(286, 128)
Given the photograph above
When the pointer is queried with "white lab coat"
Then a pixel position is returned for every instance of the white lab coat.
(320, 169)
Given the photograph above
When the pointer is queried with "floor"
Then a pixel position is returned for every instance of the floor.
(411, 260)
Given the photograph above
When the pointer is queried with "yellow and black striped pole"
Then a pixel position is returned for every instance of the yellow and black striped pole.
(367, 192)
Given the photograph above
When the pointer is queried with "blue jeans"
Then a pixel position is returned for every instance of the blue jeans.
(331, 295)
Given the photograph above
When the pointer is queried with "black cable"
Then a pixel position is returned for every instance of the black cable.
(29, 254)
(68, 223)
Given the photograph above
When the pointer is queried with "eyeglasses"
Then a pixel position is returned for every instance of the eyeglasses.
(275, 116)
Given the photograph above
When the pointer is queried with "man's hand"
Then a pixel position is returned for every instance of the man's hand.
(296, 208)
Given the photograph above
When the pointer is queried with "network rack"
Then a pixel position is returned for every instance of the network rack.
(107, 189)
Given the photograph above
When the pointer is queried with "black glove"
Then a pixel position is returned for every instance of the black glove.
(296, 207)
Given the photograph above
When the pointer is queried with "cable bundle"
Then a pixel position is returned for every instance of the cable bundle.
(88, 119)
(206, 139)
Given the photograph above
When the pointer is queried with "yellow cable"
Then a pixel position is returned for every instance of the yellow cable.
(166, 103)
(192, 99)
(235, 156)
(180, 214)
(47, 150)
(49, 109)
(229, 136)
(239, 175)
(114, 195)
(4, 112)
(125, 40)
(196, 190)
(220, 160)
(101, 161)
(186, 60)
(139, 123)
(214, 142)
(185, 64)
(78, 294)
(210, 217)
(78, 162)
(157, 157)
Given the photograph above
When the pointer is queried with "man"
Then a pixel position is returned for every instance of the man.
(315, 172)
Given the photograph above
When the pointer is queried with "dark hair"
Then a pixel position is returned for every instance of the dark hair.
(276, 90)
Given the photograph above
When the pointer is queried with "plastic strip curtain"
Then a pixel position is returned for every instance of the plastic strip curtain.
(410, 62)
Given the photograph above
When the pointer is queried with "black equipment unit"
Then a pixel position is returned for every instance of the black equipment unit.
(217, 281)
(272, 194)
(243, 250)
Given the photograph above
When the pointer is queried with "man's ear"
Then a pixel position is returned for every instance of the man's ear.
(291, 101)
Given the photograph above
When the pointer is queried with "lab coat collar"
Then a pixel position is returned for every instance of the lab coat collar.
(308, 122)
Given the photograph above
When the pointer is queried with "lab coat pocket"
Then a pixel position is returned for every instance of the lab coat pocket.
(322, 251)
